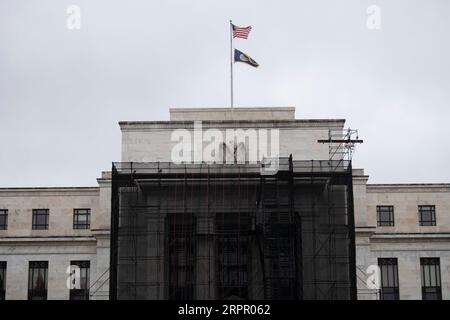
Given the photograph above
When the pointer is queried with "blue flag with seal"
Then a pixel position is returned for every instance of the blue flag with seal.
(239, 56)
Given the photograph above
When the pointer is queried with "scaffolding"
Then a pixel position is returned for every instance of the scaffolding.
(226, 231)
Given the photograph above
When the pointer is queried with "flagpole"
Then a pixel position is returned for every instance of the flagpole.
(231, 65)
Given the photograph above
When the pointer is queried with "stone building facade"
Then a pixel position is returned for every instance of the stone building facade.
(403, 228)
(39, 226)
(416, 234)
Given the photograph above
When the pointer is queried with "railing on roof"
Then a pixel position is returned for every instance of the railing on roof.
(298, 166)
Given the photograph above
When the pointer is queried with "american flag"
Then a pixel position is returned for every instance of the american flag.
(241, 32)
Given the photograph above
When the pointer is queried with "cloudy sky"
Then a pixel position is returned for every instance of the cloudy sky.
(63, 91)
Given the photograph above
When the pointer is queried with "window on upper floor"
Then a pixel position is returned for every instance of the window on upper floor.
(385, 216)
(427, 215)
(389, 278)
(3, 219)
(81, 218)
(430, 272)
(40, 219)
(2, 279)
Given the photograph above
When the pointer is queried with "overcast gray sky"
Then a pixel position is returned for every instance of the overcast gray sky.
(63, 91)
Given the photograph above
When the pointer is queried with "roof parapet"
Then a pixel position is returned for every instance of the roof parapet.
(257, 113)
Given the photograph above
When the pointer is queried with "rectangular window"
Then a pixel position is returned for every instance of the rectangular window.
(385, 216)
(3, 219)
(232, 257)
(40, 219)
(37, 280)
(81, 218)
(389, 278)
(182, 256)
(2, 280)
(431, 278)
(427, 215)
(81, 286)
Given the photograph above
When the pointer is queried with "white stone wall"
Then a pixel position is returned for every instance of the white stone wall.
(254, 113)
(58, 245)
(151, 141)
(60, 201)
(406, 240)
(58, 254)
(406, 199)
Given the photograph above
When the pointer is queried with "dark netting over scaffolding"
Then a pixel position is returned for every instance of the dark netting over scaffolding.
(213, 231)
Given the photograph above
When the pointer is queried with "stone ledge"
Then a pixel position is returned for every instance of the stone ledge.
(101, 232)
(253, 113)
(444, 236)
(365, 230)
(408, 187)
(71, 239)
(243, 124)
(49, 191)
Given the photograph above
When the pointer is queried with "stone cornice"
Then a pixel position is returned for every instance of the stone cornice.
(51, 239)
(365, 230)
(252, 109)
(442, 236)
(412, 187)
(49, 191)
(280, 124)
